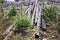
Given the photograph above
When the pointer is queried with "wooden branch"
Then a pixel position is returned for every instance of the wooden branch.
(8, 33)
(38, 19)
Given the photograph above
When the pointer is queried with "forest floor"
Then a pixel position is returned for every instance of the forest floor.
(50, 34)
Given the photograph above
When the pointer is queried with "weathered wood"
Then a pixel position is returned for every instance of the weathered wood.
(28, 11)
(43, 24)
(38, 18)
(8, 32)
(9, 35)
(38, 23)
(33, 16)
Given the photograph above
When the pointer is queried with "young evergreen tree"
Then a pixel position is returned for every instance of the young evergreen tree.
(22, 23)
(12, 12)
(49, 13)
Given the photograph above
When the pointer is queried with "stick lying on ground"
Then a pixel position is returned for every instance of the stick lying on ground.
(8, 32)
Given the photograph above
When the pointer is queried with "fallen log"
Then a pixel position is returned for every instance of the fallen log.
(33, 16)
(28, 11)
(43, 24)
(8, 32)
(38, 20)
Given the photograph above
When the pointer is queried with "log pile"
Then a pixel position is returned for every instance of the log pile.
(36, 17)
(34, 13)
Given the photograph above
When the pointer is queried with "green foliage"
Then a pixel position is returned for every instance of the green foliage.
(1, 11)
(58, 27)
(12, 12)
(1, 7)
(1, 1)
(58, 17)
(58, 23)
(22, 22)
(49, 13)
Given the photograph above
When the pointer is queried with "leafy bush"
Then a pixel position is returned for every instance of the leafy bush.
(22, 22)
(49, 13)
(58, 27)
(1, 1)
(58, 23)
(1, 11)
(58, 17)
(1, 8)
(12, 12)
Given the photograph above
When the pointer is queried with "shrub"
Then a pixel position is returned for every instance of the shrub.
(1, 7)
(22, 23)
(1, 1)
(12, 12)
(49, 13)
(58, 27)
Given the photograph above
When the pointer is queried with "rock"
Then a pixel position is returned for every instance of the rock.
(44, 39)
(45, 33)
(53, 36)
(28, 39)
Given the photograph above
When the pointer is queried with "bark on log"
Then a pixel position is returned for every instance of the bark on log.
(33, 16)
(8, 30)
(38, 12)
(43, 24)
(28, 11)
(8, 33)
(38, 18)
(38, 24)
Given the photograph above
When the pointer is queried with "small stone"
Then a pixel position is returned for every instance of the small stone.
(45, 33)
(52, 36)
(44, 38)
(28, 39)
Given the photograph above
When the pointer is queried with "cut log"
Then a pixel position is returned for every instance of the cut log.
(28, 11)
(38, 20)
(9, 35)
(33, 16)
(8, 32)
(43, 24)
